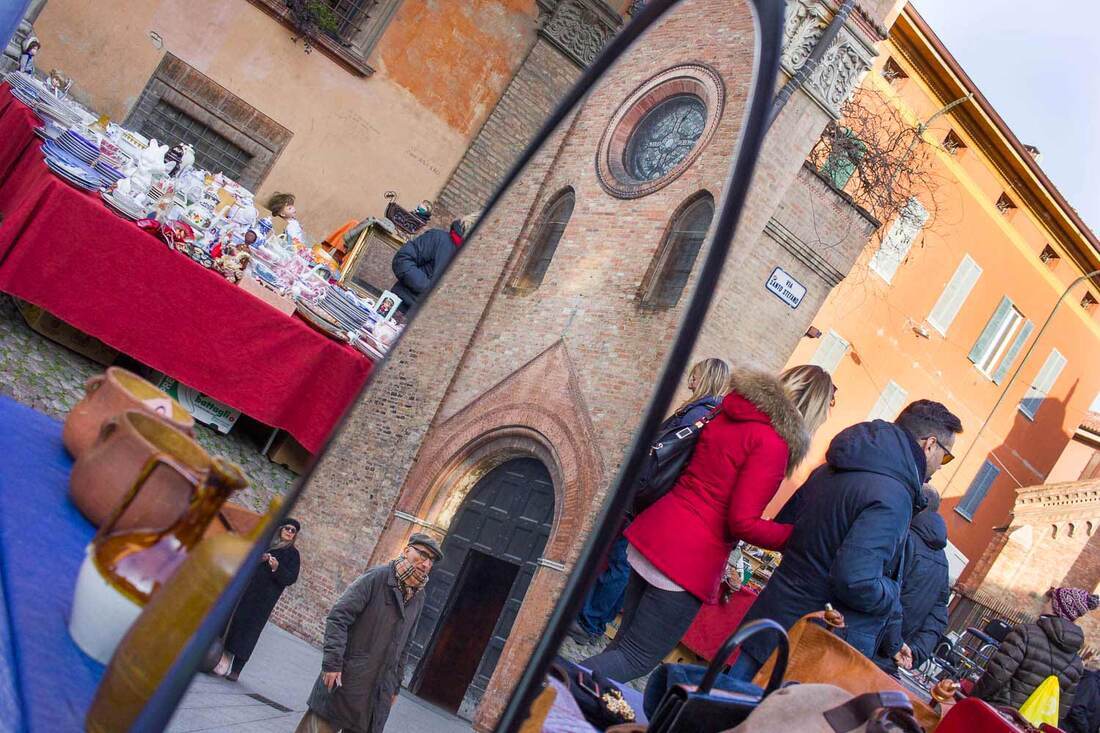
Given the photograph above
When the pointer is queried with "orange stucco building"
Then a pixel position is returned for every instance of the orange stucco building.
(949, 301)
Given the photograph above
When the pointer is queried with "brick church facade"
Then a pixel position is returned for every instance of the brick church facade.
(504, 414)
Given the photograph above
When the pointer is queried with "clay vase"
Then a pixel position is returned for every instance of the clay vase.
(110, 394)
(147, 652)
(124, 569)
(103, 475)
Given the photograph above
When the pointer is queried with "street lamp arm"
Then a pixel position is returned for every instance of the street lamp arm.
(1016, 371)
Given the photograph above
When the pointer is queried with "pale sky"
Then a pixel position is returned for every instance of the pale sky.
(1036, 63)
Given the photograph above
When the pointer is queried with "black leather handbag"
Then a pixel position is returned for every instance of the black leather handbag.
(666, 459)
(703, 709)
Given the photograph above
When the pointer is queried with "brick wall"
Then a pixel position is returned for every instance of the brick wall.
(545, 76)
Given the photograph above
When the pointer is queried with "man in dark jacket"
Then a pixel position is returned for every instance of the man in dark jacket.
(366, 635)
(854, 515)
(421, 261)
(1084, 714)
(916, 626)
(1032, 652)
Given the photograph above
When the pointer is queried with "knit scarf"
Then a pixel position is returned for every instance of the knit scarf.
(409, 578)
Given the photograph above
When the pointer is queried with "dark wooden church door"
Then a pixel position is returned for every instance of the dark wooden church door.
(475, 593)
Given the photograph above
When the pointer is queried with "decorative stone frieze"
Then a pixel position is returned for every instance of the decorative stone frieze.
(843, 65)
(579, 28)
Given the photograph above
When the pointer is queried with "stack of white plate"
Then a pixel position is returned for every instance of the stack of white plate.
(70, 169)
(346, 309)
(52, 110)
(124, 207)
(78, 146)
(108, 172)
(22, 87)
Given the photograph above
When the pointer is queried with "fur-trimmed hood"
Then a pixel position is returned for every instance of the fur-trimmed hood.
(761, 393)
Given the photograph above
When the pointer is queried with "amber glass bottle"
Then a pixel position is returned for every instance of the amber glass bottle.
(138, 562)
(146, 653)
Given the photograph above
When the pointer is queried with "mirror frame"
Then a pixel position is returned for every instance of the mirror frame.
(768, 16)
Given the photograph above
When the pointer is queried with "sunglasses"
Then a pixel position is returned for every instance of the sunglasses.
(948, 456)
(290, 528)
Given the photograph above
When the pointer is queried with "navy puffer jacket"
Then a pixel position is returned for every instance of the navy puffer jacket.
(924, 592)
(852, 519)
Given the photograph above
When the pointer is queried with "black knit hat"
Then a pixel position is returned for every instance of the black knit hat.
(293, 523)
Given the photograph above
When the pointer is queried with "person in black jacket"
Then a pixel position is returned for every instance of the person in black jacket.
(708, 382)
(917, 624)
(1032, 652)
(421, 261)
(1084, 713)
(277, 571)
(853, 517)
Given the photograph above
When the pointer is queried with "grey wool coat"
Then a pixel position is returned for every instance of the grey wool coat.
(366, 636)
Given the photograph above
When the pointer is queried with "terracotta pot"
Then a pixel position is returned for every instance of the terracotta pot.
(111, 394)
(104, 473)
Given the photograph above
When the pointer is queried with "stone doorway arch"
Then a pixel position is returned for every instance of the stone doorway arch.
(492, 550)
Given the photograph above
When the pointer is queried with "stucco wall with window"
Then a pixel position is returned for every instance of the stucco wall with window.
(438, 69)
(951, 315)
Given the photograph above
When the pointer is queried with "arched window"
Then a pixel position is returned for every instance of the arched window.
(544, 240)
(676, 256)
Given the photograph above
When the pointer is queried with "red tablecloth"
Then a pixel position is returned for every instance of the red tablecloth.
(63, 250)
(714, 624)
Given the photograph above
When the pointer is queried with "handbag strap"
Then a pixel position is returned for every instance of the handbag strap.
(862, 708)
(738, 638)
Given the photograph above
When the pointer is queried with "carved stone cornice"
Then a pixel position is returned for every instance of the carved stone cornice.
(1054, 503)
(578, 28)
(843, 65)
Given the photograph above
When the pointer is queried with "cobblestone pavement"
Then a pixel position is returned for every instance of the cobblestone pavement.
(50, 378)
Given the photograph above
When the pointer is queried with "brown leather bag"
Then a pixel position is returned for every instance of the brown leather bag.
(817, 655)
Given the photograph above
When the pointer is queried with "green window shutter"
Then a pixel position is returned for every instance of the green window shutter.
(990, 331)
(979, 487)
(1013, 351)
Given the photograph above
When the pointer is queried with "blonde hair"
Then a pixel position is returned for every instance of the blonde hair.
(811, 390)
(712, 379)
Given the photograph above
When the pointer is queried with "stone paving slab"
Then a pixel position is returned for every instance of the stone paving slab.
(282, 670)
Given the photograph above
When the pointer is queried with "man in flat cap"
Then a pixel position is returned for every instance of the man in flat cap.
(366, 635)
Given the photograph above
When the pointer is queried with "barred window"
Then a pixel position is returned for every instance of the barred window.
(213, 152)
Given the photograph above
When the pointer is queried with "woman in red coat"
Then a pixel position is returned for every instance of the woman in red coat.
(679, 547)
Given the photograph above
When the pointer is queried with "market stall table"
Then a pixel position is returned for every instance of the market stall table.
(714, 624)
(63, 251)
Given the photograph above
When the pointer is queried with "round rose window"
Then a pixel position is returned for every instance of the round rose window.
(659, 130)
(664, 137)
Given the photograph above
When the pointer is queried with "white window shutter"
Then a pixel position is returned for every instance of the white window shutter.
(830, 352)
(897, 242)
(889, 403)
(954, 295)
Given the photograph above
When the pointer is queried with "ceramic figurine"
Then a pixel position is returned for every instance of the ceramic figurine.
(123, 570)
(30, 49)
(180, 159)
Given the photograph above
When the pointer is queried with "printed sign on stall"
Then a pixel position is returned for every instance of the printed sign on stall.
(785, 287)
(204, 409)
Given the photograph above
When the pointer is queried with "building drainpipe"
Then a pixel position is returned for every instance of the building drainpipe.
(807, 69)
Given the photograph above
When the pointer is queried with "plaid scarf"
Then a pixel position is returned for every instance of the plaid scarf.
(409, 579)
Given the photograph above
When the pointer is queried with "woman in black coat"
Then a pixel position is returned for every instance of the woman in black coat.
(1032, 652)
(278, 569)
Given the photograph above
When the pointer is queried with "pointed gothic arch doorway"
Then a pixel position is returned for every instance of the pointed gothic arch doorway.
(491, 553)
